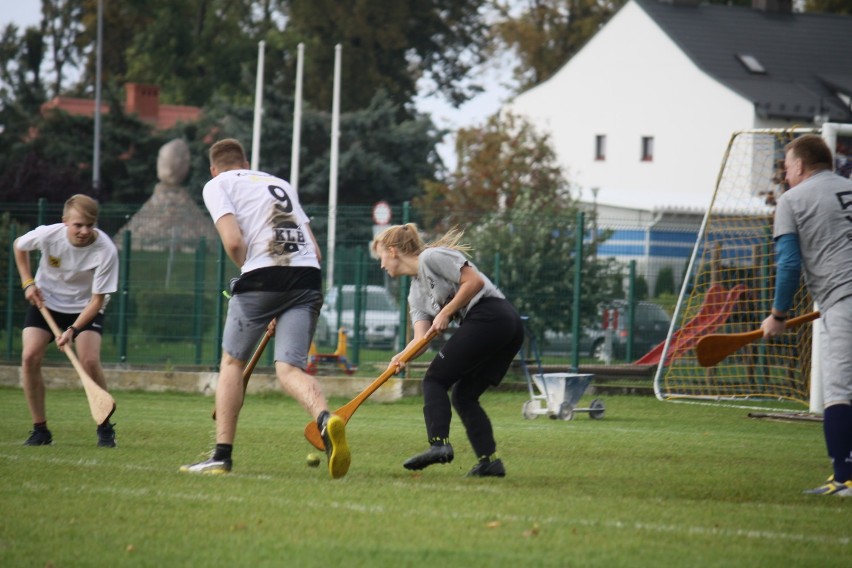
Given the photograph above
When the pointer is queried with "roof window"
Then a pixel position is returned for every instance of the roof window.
(751, 63)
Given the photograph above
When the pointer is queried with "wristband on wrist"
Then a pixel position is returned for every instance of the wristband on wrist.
(779, 318)
(74, 330)
(27, 283)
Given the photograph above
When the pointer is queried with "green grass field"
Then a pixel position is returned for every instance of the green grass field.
(651, 484)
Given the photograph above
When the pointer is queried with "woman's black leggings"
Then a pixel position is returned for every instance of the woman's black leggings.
(476, 356)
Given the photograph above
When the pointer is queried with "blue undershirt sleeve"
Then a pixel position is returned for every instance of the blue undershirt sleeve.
(789, 269)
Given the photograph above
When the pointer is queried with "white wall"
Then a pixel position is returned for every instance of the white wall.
(632, 81)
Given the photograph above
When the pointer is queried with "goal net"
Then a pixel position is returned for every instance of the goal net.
(730, 284)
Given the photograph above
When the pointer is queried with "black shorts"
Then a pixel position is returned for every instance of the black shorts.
(33, 318)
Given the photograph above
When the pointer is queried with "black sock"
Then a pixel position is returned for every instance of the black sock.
(40, 426)
(323, 418)
(837, 425)
(223, 452)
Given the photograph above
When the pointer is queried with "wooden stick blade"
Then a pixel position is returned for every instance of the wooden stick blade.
(714, 348)
(102, 409)
(101, 403)
(314, 436)
(312, 431)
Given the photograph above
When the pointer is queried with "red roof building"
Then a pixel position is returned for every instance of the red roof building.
(140, 100)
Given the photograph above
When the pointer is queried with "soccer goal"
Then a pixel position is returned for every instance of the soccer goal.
(730, 282)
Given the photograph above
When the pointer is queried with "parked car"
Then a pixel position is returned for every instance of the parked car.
(379, 322)
(650, 327)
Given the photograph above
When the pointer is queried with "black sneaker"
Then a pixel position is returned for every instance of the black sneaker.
(488, 468)
(39, 438)
(336, 448)
(438, 453)
(106, 435)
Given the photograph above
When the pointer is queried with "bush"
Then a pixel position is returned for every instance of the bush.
(168, 315)
(665, 282)
(640, 288)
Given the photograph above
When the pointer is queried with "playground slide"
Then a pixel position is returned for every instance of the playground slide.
(715, 311)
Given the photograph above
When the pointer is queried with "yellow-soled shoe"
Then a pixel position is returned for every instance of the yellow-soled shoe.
(209, 467)
(832, 487)
(336, 448)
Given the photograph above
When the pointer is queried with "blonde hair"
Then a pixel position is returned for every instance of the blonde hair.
(227, 153)
(406, 239)
(85, 205)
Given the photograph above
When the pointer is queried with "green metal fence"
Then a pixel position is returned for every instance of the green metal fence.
(170, 307)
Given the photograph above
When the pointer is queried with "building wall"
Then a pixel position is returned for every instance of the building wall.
(653, 239)
(632, 81)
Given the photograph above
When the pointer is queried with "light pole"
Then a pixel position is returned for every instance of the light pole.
(595, 191)
(96, 151)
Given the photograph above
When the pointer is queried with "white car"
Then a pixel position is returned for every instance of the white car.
(379, 320)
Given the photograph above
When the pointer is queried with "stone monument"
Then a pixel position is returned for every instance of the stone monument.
(170, 220)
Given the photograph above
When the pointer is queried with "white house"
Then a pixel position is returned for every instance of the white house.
(641, 116)
(645, 110)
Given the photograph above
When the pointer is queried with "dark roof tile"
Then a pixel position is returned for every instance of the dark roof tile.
(806, 56)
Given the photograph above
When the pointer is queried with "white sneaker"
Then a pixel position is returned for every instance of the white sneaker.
(209, 467)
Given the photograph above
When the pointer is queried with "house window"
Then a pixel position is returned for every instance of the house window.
(647, 148)
(600, 147)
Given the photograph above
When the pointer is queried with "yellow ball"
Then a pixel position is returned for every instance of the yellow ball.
(313, 460)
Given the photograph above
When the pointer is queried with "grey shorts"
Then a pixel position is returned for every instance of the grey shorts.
(835, 326)
(249, 313)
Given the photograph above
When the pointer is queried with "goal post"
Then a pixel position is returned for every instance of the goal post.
(730, 282)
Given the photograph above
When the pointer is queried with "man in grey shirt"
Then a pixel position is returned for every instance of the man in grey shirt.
(813, 234)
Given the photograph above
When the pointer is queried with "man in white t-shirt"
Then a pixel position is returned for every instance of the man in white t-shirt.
(77, 272)
(268, 236)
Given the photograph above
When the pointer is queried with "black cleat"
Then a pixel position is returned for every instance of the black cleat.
(488, 468)
(439, 453)
(106, 435)
(39, 438)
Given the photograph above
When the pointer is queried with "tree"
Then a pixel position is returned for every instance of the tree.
(21, 59)
(194, 49)
(507, 182)
(382, 156)
(536, 241)
(495, 164)
(665, 282)
(547, 33)
(61, 26)
(191, 49)
(53, 164)
(829, 6)
(387, 45)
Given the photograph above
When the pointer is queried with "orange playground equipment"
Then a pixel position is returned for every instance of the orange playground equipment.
(338, 357)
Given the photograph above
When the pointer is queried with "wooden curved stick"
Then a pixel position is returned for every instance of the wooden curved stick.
(713, 348)
(101, 403)
(312, 432)
(270, 333)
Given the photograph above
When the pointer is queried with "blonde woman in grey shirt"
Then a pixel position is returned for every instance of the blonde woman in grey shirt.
(446, 286)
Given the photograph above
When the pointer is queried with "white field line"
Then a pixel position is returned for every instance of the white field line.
(297, 501)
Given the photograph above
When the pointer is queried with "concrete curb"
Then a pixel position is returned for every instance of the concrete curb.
(204, 382)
